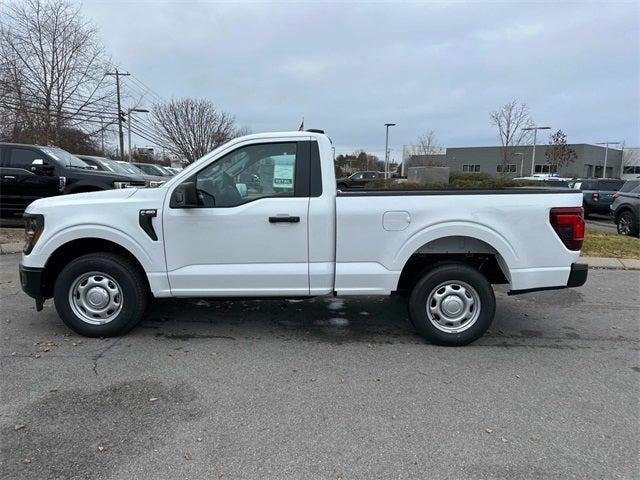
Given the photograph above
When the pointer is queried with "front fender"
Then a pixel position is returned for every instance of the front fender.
(49, 244)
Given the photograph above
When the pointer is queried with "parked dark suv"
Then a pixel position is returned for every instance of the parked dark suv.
(597, 193)
(29, 172)
(626, 208)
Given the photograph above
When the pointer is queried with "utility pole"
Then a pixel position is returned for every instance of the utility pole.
(535, 135)
(606, 152)
(118, 74)
(129, 119)
(386, 151)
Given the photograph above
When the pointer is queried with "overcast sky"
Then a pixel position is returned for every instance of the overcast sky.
(349, 67)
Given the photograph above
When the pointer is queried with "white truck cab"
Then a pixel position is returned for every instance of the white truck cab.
(261, 217)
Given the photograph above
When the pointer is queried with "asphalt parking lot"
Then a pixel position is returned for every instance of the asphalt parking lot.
(325, 388)
(601, 223)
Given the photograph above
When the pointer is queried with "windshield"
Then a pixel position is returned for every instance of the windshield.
(151, 169)
(127, 167)
(165, 171)
(629, 185)
(65, 157)
(114, 166)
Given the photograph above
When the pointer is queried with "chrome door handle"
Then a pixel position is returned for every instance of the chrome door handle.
(9, 177)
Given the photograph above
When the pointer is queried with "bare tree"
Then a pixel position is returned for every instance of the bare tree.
(191, 127)
(558, 153)
(53, 66)
(427, 146)
(511, 119)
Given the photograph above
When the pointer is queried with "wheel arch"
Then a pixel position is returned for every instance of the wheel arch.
(621, 210)
(70, 250)
(479, 253)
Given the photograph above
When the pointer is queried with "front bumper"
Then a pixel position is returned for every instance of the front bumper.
(31, 280)
(577, 278)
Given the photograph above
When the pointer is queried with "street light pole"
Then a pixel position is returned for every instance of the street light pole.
(606, 152)
(535, 135)
(386, 151)
(129, 119)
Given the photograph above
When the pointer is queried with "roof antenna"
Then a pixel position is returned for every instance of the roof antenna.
(301, 128)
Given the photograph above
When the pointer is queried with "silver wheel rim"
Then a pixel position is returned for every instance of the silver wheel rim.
(624, 225)
(95, 298)
(453, 306)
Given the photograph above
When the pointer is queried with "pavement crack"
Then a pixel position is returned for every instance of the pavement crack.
(100, 354)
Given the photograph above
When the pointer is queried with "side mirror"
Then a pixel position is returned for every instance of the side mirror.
(40, 167)
(184, 196)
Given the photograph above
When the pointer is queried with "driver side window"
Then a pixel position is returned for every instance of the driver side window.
(247, 174)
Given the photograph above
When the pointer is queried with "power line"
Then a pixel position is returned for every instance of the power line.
(64, 116)
(147, 88)
(38, 103)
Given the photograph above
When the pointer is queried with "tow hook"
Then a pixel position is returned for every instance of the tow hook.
(39, 304)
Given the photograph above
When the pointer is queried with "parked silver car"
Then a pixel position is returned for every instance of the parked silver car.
(626, 208)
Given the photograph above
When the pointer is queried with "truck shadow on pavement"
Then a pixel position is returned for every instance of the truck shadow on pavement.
(519, 322)
(333, 320)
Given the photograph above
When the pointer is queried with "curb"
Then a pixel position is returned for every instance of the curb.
(612, 263)
(14, 247)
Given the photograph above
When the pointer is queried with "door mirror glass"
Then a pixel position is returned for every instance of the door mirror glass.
(184, 196)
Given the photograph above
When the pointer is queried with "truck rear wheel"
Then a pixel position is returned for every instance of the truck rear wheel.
(100, 295)
(452, 305)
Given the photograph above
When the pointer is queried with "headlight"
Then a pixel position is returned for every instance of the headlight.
(121, 184)
(155, 183)
(33, 227)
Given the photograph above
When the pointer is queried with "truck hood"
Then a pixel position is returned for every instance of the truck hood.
(95, 199)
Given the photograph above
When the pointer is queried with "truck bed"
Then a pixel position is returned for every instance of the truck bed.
(377, 231)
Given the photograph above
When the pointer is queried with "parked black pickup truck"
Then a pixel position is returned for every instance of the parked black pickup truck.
(29, 172)
(597, 194)
(358, 179)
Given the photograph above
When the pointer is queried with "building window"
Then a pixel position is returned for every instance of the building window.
(470, 168)
(510, 167)
(631, 169)
(546, 168)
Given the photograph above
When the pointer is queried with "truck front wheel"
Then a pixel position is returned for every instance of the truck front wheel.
(452, 305)
(100, 295)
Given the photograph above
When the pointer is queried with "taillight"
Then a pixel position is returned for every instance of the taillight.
(568, 223)
(595, 197)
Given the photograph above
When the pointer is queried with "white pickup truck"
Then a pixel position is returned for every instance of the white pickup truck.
(261, 217)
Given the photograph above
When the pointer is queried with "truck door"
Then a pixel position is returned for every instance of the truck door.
(243, 238)
(20, 185)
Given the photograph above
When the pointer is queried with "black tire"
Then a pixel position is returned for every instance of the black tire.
(480, 291)
(132, 288)
(343, 186)
(627, 224)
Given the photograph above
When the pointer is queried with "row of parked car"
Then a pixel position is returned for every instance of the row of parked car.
(609, 196)
(29, 172)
